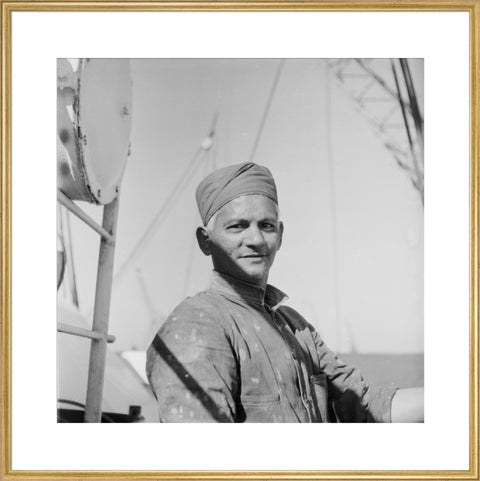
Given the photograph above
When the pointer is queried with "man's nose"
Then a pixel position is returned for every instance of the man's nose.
(254, 236)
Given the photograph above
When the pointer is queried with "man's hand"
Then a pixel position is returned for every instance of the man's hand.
(407, 406)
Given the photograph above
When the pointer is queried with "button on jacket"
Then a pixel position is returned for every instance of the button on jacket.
(233, 353)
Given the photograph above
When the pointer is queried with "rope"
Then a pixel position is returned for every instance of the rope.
(331, 176)
(188, 274)
(266, 110)
(191, 168)
(418, 176)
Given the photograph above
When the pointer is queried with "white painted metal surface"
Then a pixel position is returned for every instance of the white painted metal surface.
(94, 117)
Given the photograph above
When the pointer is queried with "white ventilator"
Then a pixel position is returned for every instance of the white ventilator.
(94, 118)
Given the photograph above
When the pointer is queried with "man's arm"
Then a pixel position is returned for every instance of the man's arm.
(352, 398)
(407, 405)
(191, 368)
(355, 400)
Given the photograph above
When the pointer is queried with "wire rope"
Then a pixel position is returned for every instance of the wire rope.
(333, 204)
(418, 175)
(191, 168)
(266, 109)
(209, 166)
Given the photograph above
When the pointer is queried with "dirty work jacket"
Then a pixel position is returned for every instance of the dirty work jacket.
(233, 353)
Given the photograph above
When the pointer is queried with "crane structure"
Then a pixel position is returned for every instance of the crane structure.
(384, 93)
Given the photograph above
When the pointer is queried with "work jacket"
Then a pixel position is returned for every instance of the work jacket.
(234, 353)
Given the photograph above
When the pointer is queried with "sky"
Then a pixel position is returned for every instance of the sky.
(352, 256)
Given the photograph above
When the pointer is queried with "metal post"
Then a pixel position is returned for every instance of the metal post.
(98, 350)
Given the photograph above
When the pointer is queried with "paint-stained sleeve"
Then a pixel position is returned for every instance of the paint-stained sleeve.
(191, 367)
(352, 398)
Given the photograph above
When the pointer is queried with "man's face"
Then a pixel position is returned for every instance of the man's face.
(245, 237)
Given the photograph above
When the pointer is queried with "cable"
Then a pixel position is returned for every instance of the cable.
(152, 228)
(193, 242)
(331, 176)
(146, 297)
(418, 176)
(184, 179)
(417, 116)
(267, 109)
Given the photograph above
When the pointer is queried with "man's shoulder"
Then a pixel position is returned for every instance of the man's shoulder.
(201, 313)
(204, 305)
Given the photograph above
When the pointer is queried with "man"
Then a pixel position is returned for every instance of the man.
(234, 352)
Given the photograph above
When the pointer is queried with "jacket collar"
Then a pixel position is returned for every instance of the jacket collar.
(233, 288)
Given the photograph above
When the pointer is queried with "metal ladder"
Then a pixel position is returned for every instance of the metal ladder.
(99, 334)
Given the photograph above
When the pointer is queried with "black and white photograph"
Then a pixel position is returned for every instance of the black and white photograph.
(240, 240)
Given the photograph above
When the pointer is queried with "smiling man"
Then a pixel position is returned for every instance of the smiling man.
(235, 352)
(243, 238)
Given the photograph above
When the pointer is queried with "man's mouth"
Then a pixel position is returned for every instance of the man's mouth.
(253, 256)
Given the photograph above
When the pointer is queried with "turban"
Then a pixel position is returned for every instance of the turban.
(228, 183)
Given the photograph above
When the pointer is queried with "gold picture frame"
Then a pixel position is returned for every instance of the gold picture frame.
(472, 7)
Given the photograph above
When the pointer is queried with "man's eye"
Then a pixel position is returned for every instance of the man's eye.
(235, 227)
(268, 226)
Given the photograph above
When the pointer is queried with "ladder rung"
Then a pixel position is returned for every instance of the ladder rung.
(74, 209)
(78, 331)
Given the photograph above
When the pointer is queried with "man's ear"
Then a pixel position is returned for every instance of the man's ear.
(280, 235)
(204, 242)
